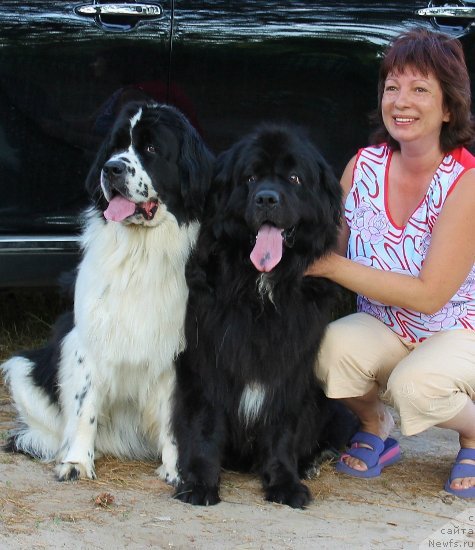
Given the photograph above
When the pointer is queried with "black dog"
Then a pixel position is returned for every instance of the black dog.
(247, 396)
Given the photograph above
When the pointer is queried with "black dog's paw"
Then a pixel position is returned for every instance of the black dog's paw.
(197, 494)
(295, 495)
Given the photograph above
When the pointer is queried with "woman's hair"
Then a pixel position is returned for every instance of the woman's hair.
(443, 57)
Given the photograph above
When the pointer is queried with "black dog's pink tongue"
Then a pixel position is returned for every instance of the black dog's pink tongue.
(267, 251)
(119, 208)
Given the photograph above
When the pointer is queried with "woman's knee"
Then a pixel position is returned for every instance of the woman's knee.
(404, 385)
(422, 398)
(329, 352)
(420, 390)
(436, 370)
(345, 365)
(360, 344)
(337, 348)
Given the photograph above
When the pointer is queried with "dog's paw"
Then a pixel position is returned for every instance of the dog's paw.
(295, 495)
(194, 493)
(168, 475)
(72, 471)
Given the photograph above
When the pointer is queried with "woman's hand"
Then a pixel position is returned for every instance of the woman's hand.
(323, 267)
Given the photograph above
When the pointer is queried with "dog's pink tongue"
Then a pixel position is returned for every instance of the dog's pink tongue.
(119, 208)
(267, 251)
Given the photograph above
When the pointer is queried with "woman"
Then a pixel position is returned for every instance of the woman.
(408, 251)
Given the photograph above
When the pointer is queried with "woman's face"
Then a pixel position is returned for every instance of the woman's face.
(412, 107)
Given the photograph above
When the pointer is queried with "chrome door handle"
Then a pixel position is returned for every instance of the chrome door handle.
(141, 11)
(448, 11)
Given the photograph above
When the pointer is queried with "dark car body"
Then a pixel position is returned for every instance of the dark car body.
(66, 67)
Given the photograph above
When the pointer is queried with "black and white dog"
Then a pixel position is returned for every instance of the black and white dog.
(247, 396)
(104, 382)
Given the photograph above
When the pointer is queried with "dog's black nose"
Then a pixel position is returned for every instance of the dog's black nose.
(114, 168)
(267, 198)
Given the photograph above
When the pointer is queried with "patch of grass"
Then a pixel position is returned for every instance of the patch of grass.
(26, 318)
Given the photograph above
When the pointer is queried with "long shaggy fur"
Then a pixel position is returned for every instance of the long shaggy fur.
(247, 396)
(103, 383)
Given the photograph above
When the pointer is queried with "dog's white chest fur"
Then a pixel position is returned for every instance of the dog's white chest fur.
(251, 402)
(130, 304)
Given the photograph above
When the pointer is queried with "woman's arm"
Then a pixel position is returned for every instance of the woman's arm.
(449, 259)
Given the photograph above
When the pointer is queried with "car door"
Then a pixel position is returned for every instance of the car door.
(65, 69)
(312, 63)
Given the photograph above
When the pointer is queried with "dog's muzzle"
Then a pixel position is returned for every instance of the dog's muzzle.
(113, 177)
(267, 199)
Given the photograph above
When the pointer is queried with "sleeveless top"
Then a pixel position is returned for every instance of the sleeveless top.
(375, 240)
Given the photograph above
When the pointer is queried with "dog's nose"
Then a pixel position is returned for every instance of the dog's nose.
(267, 198)
(114, 168)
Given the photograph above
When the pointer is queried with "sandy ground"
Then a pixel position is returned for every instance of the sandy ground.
(129, 507)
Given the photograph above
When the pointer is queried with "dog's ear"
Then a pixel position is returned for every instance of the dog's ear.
(225, 180)
(220, 182)
(327, 206)
(333, 189)
(196, 165)
(200, 271)
(93, 179)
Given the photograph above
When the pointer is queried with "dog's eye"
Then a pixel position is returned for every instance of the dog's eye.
(293, 178)
(151, 148)
(251, 179)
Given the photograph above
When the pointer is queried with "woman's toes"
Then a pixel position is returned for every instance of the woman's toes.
(463, 483)
(354, 463)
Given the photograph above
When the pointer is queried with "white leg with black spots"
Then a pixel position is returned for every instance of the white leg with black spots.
(80, 410)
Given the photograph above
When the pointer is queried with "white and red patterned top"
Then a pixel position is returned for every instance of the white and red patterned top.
(377, 241)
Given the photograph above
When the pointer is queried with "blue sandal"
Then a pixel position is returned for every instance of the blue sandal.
(462, 470)
(381, 454)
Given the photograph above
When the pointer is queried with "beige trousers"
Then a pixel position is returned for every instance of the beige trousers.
(427, 383)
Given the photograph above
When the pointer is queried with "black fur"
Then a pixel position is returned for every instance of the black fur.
(44, 375)
(239, 336)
